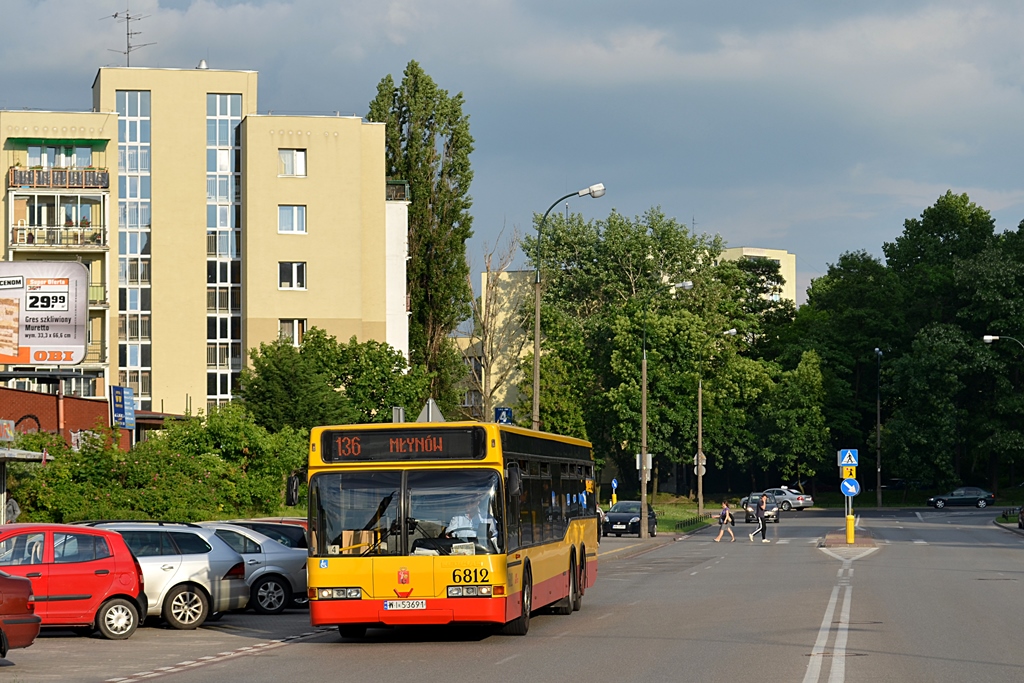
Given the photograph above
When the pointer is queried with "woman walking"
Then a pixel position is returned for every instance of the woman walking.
(725, 522)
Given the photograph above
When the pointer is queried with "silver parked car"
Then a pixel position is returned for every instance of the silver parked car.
(791, 499)
(190, 572)
(275, 573)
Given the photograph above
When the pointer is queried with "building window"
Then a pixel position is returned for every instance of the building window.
(292, 329)
(292, 275)
(291, 219)
(293, 162)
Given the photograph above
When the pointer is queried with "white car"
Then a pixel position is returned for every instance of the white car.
(275, 573)
(190, 572)
(791, 499)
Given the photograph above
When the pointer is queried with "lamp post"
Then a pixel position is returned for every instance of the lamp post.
(878, 431)
(699, 460)
(686, 284)
(988, 339)
(594, 191)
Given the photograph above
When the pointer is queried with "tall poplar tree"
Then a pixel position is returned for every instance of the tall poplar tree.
(427, 144)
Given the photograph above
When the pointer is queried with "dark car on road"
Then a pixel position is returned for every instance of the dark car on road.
(624, 518)
(771, 513)
(966, 495)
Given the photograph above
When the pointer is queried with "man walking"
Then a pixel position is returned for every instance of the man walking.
(759, 511)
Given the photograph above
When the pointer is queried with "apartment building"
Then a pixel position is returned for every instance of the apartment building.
(785, 260)
(207, 227)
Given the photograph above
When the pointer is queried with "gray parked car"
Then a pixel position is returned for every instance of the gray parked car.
(791, 499)
(190, 572)
(276, 574)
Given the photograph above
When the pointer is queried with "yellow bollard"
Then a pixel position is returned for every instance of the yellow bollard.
(850, 521)
(614, 498)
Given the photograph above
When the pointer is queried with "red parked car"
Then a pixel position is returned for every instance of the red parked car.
(19, 625)
(82, 577)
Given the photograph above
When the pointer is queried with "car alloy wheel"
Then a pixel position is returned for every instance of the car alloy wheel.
(786, 506)
(269, 596)
(982, 503)
(939, 504)
(186, 608)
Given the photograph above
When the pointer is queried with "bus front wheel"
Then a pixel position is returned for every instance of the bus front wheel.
(352, 631)
(521, 625)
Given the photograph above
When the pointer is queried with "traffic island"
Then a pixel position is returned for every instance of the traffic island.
(837, 539)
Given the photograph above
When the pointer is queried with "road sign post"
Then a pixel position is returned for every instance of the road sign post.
(848, 461)
(615, 485)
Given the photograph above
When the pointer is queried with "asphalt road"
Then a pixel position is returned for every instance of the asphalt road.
(938, 599)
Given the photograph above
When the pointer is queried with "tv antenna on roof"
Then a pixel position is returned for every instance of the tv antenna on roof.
(127, 18)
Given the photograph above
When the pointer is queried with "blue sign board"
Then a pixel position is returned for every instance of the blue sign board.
(850, 487)
(122, 407)
(503, 416)
(615, 483)
(848, 457)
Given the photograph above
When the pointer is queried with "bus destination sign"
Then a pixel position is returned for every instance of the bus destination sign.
(398, 445)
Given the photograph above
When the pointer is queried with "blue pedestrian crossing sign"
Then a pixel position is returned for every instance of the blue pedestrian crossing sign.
(848, 457)
(850, 487)
(503, 416)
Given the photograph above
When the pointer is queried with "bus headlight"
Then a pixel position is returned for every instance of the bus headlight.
(338, 593)
(469, 591)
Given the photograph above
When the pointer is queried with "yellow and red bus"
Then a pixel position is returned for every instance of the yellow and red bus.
(441, 523)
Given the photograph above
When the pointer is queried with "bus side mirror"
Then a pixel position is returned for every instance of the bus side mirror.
(291, 492)
(514, 480)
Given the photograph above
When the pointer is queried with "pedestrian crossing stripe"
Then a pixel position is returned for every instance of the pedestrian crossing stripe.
(849, 459)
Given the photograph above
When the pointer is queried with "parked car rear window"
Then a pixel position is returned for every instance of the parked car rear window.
(149, 543)
(79, 548)
(189, 543)
(238, 542)
(293, 538)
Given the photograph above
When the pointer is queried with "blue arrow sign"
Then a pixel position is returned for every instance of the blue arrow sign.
(615, 483)
(850, 487)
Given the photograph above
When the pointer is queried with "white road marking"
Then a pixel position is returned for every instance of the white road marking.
(838, 673)
(919, 516)
(507, 659)
(693, 573)
(605, 616)
(782, 541)
(814, 664)
(920, 541)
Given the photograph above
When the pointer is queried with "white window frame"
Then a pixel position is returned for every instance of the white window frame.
(297, 274)
(297, 158)
(298, 216)
(298, 330)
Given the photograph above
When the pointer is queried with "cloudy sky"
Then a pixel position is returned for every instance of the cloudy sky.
(816, 127)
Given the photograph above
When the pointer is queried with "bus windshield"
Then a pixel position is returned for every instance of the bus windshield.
(417, 512)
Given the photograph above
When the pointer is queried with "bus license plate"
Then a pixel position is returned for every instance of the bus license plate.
(405, 604)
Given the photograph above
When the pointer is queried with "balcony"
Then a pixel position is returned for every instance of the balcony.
(74, 237)
(95, 353)
(98, 295)
(59, 178)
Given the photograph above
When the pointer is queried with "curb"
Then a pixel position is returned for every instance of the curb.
(1012, 529)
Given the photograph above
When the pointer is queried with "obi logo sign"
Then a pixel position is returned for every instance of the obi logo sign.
(43, 312)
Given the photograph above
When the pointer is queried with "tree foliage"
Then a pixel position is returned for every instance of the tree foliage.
(428, 145)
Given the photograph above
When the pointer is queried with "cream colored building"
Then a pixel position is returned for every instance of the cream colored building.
(212, 227)
(785, 260)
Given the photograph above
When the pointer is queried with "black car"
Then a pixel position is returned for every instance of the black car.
(624, 518)
(966, 495)
(771, 512)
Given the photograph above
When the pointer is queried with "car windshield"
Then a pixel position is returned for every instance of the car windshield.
(625, 506)
(437, 512)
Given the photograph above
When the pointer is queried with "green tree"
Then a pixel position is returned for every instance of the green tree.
(427, 144)
(286, 388)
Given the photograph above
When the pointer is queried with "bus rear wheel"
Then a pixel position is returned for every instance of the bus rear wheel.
(521, 625)
(581, 582)
(565, 605)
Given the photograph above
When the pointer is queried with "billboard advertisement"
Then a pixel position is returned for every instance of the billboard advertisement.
(43, 312)
(122, 407)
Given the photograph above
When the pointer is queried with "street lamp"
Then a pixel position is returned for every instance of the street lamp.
(594, 191)
(878, 431)
(685, 284)
(988, 339)
(699, 460)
